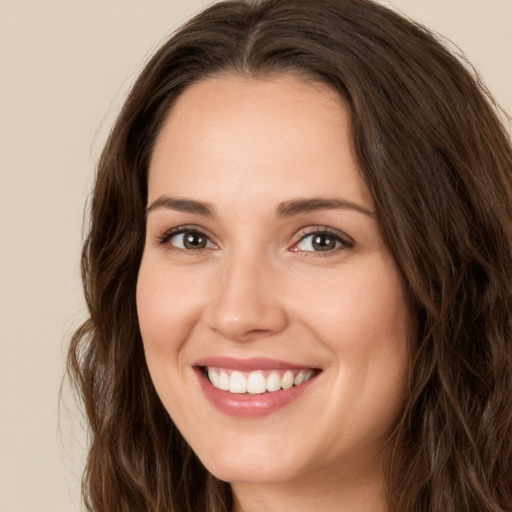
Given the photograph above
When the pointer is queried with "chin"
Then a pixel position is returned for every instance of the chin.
(257, 466)
(250, 473)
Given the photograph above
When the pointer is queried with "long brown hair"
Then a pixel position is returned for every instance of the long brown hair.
(438, 163)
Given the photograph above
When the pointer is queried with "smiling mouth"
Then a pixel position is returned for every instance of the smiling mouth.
(257, 382)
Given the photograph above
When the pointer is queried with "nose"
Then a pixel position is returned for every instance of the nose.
(248, 302)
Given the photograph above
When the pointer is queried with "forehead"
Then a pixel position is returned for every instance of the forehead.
(278, 136)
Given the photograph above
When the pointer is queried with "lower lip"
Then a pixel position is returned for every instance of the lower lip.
(247, 405)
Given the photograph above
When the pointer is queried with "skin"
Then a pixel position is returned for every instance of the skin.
(259, 288)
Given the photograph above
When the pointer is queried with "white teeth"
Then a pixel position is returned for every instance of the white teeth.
(287, 380)
(214, 377)
(273, 382)
(256, 383)
(237, 383)
(299, 378)
(224, 381)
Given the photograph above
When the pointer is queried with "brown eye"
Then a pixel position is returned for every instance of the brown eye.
(191, 240)
(194, 240)
(322, 241)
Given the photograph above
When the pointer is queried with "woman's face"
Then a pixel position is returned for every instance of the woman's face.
(264, 265)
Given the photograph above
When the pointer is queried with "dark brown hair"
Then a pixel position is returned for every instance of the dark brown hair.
(438, 163)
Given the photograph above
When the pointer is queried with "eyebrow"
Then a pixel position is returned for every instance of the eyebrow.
(301, 206)
(182, 205)
(284, 209)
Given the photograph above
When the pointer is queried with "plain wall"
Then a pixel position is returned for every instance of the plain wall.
(65, 67)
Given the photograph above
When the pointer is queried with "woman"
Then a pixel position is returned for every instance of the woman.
(297, 273)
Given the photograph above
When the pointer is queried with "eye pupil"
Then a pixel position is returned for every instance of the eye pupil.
(194, 240)
(323, 242)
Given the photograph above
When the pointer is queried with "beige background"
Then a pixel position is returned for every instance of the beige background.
(65, 67)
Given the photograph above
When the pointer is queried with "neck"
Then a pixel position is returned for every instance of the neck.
(306, 493)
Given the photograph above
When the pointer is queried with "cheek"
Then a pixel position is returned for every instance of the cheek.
(167, 307)
(357, 310)
(365, 322)
(169, 299)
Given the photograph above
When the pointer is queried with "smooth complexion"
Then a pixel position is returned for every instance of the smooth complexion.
(263, 248)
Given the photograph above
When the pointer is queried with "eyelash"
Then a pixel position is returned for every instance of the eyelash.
(340, 238)
(165, 238)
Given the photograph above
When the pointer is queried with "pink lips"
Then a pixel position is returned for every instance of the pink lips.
(247, 365)
(247, 405)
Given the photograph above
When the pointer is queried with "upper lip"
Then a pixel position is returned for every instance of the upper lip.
(248, 365)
